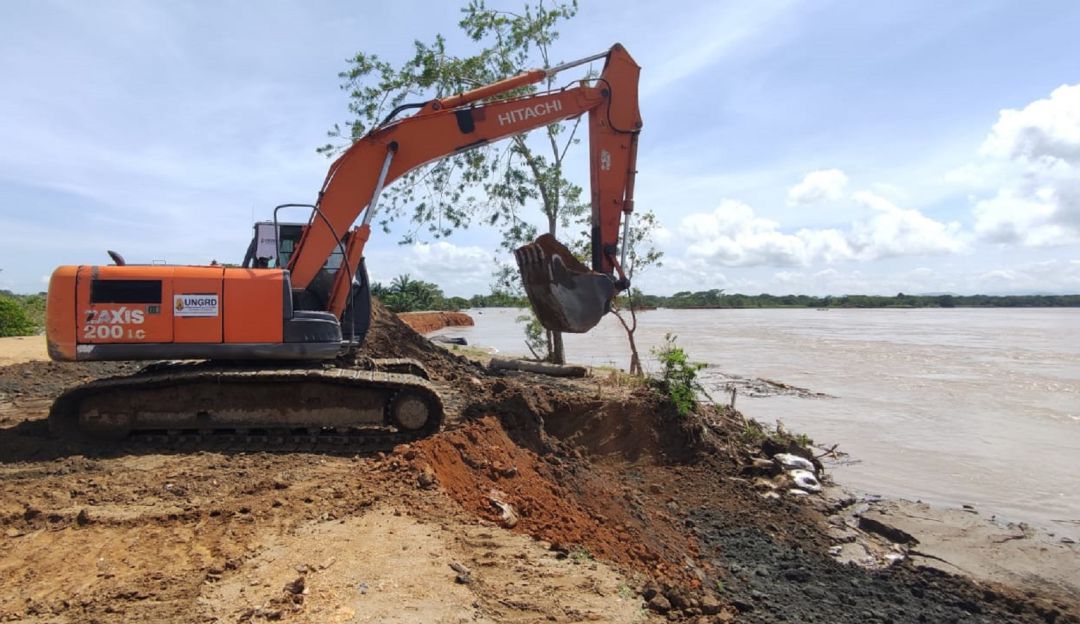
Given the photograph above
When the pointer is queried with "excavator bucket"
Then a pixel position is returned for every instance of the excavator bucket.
(564, 293)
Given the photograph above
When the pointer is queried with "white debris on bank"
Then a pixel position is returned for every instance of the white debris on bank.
(805, 480)
(790, 461)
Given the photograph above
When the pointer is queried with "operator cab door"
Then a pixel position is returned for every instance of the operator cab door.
(124, 304)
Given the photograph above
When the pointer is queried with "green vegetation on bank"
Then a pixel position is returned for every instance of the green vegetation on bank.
(405, 294)
(678, 376)
(21, 315)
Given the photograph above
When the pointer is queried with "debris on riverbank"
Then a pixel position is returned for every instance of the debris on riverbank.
(561, 499)
(874, 532)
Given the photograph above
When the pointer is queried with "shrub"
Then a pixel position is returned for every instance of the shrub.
(14, 319)
(679, 376)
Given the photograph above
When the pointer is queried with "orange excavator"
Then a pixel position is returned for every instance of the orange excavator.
(268, 335)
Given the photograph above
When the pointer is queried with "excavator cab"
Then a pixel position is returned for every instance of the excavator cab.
(273, 245)
(565, 295)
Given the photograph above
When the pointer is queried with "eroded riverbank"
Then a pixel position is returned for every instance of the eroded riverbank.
(952, 407)
(620, 510)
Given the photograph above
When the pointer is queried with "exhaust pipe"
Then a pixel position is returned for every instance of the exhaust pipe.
(564, 293)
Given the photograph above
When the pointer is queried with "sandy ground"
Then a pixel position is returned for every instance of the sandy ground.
(20, 349)
(619, 511)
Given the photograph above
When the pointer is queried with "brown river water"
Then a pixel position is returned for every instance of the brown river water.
(948, 406)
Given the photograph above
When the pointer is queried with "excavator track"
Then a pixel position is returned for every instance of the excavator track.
(231, 407)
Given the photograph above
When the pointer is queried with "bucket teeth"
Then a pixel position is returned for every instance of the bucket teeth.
(564, 293)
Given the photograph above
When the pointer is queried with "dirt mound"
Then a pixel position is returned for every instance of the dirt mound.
(553, 497)
(643, 425)
(537, 412)
(390, 337)
(427, 322)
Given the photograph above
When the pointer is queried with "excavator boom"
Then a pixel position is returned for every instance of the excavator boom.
(460, 123)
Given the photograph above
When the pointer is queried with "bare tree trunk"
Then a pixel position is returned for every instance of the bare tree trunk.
(635, 359)
(558, 354)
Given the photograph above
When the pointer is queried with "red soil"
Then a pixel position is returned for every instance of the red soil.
(556, 501)
(426, 322)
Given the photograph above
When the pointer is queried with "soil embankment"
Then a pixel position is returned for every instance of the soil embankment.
(543, 500)
(427, 322)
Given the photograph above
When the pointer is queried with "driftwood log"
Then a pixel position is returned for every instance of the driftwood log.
(543, 368)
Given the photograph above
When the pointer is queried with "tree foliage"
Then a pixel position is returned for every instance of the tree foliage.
(678, 376)
(15, 319)
(492, 183)
(405, 294)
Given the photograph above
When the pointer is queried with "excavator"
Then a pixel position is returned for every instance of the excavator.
(255, 350)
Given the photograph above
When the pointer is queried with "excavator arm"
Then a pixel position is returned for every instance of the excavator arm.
(566, 295)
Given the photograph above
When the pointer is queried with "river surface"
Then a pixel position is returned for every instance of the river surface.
(948, 406)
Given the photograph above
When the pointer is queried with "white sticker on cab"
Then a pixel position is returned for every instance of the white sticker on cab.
(195, 304)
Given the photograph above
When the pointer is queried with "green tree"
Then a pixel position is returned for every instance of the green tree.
(14, 319)
(512, 174)
(406, 294)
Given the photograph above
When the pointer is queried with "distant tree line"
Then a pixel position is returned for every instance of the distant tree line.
(405, 294)
(717, 298)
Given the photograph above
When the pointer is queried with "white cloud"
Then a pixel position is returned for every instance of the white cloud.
(1047, 129)
(1014, 217)
(733, 235)
(817, 186)
(1033, 156)
(1050, 276)
(894, 231)
(459, 270)
(662, 235)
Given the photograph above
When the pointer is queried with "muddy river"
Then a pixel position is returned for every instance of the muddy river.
(950, 406)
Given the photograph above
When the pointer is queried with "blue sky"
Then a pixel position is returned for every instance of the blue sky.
(809, 147)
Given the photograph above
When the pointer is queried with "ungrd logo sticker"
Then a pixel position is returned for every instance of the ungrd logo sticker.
(195, 305)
